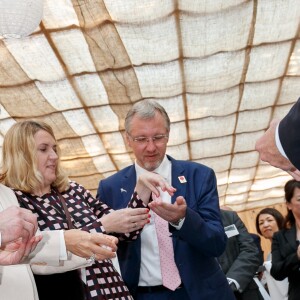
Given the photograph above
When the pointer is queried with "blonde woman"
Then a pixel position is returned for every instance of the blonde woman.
(31, 167)
(17, 281)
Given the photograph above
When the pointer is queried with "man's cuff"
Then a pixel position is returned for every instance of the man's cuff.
(278, 143)
(179, 225)
(230, 281)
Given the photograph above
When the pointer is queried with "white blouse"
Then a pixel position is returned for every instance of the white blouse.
(278, 289)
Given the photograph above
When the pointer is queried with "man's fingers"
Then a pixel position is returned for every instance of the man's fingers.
(180, 200)
(29, 230)
(32, 219)
(28, 247)
(33, 243)
(295, 174)
(16, 222)
(169, 211)
(28, 223)
(25, 248)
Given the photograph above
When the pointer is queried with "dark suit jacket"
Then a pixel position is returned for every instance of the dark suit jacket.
(289, 134)
(285, 262)
(196, 244)
(241, 259)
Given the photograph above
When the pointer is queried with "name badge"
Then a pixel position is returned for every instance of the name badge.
(231, 230)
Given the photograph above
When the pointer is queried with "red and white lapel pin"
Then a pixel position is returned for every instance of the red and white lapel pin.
(182, 179)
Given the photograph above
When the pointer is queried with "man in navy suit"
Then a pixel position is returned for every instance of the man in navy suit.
(280, 145)
(193, 214)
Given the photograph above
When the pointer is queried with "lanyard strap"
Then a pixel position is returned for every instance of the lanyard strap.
(68, 216)
(262, 290)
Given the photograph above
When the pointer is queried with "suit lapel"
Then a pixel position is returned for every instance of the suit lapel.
(177, 172)
(290, 236)
(128, 183)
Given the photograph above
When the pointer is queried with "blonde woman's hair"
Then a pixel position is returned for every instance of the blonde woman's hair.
(19, 158)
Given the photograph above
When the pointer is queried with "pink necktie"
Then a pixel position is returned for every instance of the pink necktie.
(170, 275)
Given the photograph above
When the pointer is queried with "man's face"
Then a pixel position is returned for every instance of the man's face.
(149, 153)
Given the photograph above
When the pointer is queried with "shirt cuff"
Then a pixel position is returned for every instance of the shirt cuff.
(278, 143)
(179, 225)
(230, 280)
(62, 246)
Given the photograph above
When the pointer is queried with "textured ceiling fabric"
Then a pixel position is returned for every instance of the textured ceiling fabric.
(222, 69)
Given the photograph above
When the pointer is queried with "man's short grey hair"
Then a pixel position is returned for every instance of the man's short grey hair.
(145, 109)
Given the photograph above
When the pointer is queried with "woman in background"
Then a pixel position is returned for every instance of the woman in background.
(285, 245)
(268, 221)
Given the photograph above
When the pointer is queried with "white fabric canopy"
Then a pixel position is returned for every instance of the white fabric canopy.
(222, 69)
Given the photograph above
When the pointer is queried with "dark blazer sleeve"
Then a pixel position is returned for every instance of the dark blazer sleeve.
(284, 254)
(257, 242)
(289, 134)
(240, 260)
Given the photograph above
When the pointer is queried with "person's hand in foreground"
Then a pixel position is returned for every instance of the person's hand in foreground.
(14, 252)
(268, 151)
(84, 244)
(15, 223)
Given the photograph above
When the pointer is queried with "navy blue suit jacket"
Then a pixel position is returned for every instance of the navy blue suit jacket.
(289, 134)
(196, 244)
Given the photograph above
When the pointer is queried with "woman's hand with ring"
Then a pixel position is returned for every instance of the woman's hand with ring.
(83, 243)
(125, 220)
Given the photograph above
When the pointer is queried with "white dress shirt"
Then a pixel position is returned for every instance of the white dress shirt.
(150, 274)
(278, 289)
(278, 143)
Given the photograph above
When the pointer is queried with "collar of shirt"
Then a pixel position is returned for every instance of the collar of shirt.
(164, 169)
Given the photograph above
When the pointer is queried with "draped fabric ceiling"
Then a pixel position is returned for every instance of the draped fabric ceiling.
(222, 69)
